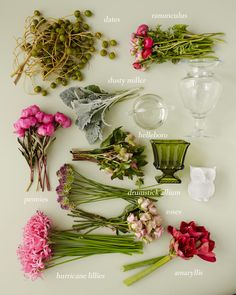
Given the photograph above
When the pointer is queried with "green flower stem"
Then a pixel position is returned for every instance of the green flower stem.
(135, 265)
(142, 274)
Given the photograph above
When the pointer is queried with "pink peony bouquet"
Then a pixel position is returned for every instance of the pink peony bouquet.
(44, 247)
(35, 131)
(186, 242)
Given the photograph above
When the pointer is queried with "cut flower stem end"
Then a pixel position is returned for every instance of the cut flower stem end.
(140, 275)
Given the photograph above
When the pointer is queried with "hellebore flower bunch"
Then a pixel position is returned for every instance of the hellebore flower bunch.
(44, 247)
(35, 133)
(176, 43)
(119, 155)
(75, 189)
(141, 219)
(188, 241)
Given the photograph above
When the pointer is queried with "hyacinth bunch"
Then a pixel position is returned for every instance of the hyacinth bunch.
(35, 131)
(141, 219)
(75, 189)
(177, 42)
(187, 241)
(44, 247)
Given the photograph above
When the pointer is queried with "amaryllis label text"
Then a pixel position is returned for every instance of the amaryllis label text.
(189, 274)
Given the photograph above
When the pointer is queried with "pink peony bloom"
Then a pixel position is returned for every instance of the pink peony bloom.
(39, 116)
(148, 42)
(47, 118)
(46, 129)
(26, 123)
(35, 251)
(142, 30)
(30, 111)
(63, 120)
(146, 53)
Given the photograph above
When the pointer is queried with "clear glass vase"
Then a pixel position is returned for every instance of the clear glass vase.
(200, 91)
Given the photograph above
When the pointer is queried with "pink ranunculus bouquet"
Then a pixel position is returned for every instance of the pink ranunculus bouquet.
(187, 241)
(35, 131)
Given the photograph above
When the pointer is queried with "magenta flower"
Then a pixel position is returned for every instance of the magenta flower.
(35, 250)
(26, 123)
(39, 116)
(31, 129)
(46, 129)
(63, 120)
(148, 42)
(142, 30)
(47, 118)
(146, 53)
(30, 111)
(137, 65)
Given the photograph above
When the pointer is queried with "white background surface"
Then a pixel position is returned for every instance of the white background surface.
(218, 215)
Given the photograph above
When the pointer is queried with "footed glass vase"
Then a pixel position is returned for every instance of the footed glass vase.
(169, 157)
(200, 91)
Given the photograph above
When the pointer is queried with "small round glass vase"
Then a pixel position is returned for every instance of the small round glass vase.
(200, 91)
(169, 157)
(149, 111)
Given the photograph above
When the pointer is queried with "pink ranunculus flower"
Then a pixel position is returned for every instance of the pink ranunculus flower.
(47, 118)
(146, 53)
(26, 123)
(148, 42)
(63, 120)
(30, 111)
(46, 129)
(137, 65)
(142, 30)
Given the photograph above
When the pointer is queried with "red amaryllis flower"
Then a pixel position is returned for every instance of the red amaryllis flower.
(187, 241)
(146, 53)
(142, 30)
(192, 240)
(148, 42)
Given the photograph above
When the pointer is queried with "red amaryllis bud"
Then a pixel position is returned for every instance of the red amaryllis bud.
(148, 42)
(142, 30)
(146, 53)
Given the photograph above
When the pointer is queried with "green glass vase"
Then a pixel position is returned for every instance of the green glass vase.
(169, 157)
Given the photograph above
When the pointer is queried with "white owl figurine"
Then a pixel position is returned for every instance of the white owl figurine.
(201, 186)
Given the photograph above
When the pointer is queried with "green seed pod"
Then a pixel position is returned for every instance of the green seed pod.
(58, 80)
(112, 55)
(77, 13)
(88, 13)
(37, 13)
(53, 85)
(44, 92)
(105, 44)
(103, 52)
(113, 42)
(37, 89)
(64, 82)
(98, 35)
